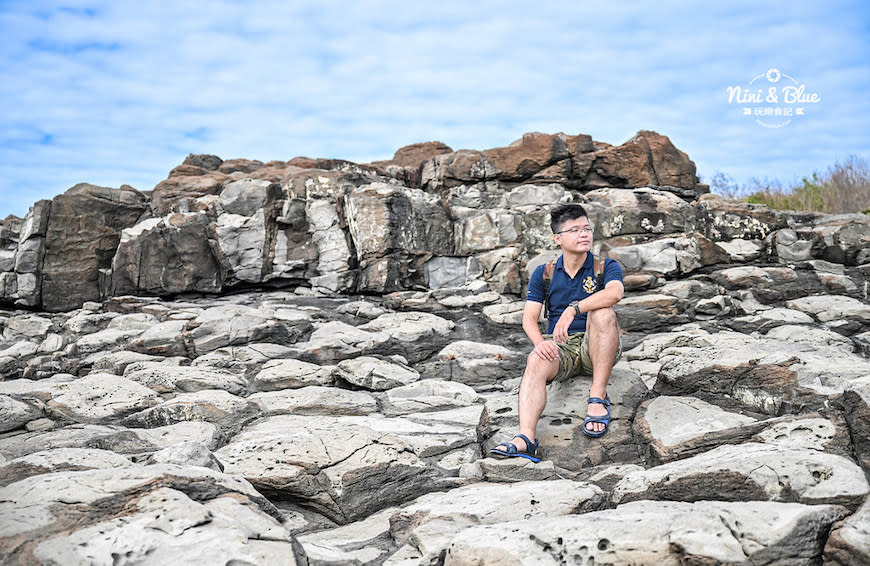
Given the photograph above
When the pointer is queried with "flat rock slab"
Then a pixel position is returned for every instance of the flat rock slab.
(760, 373)
(648, 532)
(414, 335)
(99, 397)
(160, 513)
(229, 325)
(117, 362)
(560, 433)
(315, 400)
(809, 432)
(284, 374)
(346, 467)
(676, 427)
(375, 374)
(425, 527)
(221, 408)
(170, 379)
(480, 365)
(427, 395)
(833, 308)
(750, 471)
(60, 459)
(114, 438)
(243, 360)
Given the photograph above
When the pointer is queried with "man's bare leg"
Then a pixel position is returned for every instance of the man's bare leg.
(603, 330)
(533, 395)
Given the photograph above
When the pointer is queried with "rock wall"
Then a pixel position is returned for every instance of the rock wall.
(338, 405)
(429, 218)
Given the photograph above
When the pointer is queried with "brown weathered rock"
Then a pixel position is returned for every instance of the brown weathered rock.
(196, 177)
(646, 159)
(415, 154)
(528, 156)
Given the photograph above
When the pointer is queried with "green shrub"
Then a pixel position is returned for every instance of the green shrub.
(843, 188)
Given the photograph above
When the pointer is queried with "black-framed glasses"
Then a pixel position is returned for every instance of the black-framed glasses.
(576, 230)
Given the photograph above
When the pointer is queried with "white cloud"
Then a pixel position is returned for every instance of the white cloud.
(114, 93)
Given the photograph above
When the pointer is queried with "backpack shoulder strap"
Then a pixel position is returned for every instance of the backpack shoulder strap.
(598, 270)
(549, 269)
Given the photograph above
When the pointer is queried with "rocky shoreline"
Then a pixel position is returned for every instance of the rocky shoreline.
(326, 391)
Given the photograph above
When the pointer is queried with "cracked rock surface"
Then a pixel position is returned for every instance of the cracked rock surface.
(308, 362)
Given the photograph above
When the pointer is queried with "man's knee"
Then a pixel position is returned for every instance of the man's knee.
(539, 368)
(602, 319)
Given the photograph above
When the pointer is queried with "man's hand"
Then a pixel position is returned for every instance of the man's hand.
(547, 350)
(560, 332)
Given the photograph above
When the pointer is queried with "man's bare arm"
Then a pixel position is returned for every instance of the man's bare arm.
(545, 349)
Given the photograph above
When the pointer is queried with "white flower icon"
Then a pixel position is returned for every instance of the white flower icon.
(773, 75)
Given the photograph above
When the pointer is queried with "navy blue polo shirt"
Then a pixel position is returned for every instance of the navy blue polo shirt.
(564, 289)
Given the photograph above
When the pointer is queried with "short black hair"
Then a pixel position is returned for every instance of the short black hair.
(565, 212)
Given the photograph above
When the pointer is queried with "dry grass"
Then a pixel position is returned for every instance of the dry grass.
(843, 188)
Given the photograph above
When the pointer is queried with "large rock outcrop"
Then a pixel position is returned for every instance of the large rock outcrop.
(428, 218)
(338, 405)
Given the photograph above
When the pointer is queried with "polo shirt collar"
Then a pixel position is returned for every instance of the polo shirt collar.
(560, 263)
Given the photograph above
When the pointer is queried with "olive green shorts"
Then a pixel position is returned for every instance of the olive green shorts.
(574, 356)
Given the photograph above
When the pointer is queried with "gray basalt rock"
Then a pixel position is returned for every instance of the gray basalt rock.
(675, 426)
(169, 379)
(856, 401)
(375, 374)
(394, 230)
(647, 532)
(15, 413)
(348, 337)
(60, 459)
(422, 529)
(345, 475)
(99, 397)
(479, 365)
(82, 233)
(229, 325)
(849, 542)
(191, 453)
(427, 395)
(218, 407)
(160, 512)
(291, 373)
(617, 212)
(764, 375)
(830, 309)
(163, 256)
(109, 437)
(315, 400)
(750, 471)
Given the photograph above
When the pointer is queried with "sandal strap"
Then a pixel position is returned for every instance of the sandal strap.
(531, 447)
(599, 400)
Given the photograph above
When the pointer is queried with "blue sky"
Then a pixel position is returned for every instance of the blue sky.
(120, 92)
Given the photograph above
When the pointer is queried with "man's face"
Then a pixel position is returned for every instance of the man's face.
(575, 235)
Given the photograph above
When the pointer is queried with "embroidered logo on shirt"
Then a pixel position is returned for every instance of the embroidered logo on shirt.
(589, 285)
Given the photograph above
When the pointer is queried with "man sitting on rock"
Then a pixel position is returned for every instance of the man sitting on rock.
(583, 332)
